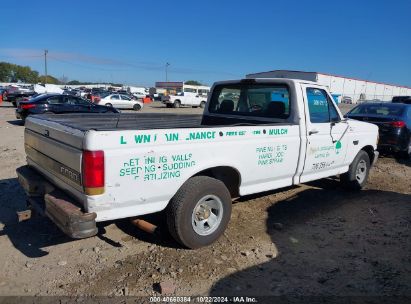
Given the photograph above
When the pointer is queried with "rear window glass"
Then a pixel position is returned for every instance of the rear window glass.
(251, 100)
(380, 110)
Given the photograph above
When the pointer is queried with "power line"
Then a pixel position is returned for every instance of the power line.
(84, 66)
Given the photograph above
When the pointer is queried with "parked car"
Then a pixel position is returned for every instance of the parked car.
(124, 92)
(15, 93)
(393, 120)
(346, 99)
(59, 104)
(139, 95)
(72, 92)
(121, 101)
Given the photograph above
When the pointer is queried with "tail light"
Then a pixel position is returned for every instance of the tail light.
(397, 124)
(27, 106)
(93, 172)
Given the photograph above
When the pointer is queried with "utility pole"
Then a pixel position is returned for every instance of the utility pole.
(167, 65)
(45, 66)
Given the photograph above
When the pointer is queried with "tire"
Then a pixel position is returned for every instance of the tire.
(136, 107)
(406, 154)
(185, 225)
(109, 105)
(202, 104)
(14, 103)
(177, 104)
(357, 175)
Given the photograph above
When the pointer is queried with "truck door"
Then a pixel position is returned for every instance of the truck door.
(326, 141)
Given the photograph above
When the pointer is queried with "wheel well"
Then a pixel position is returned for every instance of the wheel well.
(177, 100)
(370, 152)
(228, 175)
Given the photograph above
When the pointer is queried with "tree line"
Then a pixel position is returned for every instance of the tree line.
(10, 72)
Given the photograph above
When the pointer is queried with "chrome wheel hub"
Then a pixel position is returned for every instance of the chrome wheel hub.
(207, 215)
(361, 171)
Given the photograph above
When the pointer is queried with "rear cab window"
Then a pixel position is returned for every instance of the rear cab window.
(251, 100)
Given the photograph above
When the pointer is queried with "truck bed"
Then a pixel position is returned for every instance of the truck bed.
(123, 121)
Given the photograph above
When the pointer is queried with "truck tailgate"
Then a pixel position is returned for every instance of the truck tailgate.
(55, 150)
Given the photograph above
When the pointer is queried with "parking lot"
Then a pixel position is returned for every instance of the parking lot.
(312, 239)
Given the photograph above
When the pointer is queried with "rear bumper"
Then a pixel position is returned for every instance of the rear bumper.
(56, 205)
(392, 147)
(395, 140)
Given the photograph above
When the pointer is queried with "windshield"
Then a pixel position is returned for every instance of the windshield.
(379, 110)
(258, 100)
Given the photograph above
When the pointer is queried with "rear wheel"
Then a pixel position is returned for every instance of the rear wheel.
(357, 175)
(177, 104)
(136, 107)
(407, 152)
(409, 149)
(199, 212)
(202, 104)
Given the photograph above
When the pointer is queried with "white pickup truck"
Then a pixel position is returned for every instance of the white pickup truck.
(185, 99)
(255, 135)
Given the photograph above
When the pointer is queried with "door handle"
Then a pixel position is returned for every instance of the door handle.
(313, 132)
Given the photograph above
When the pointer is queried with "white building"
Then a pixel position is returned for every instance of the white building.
(341, 87)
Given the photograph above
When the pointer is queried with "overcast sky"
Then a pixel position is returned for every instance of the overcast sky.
(131, 41)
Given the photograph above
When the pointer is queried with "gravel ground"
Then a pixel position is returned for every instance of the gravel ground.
(312, 239)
